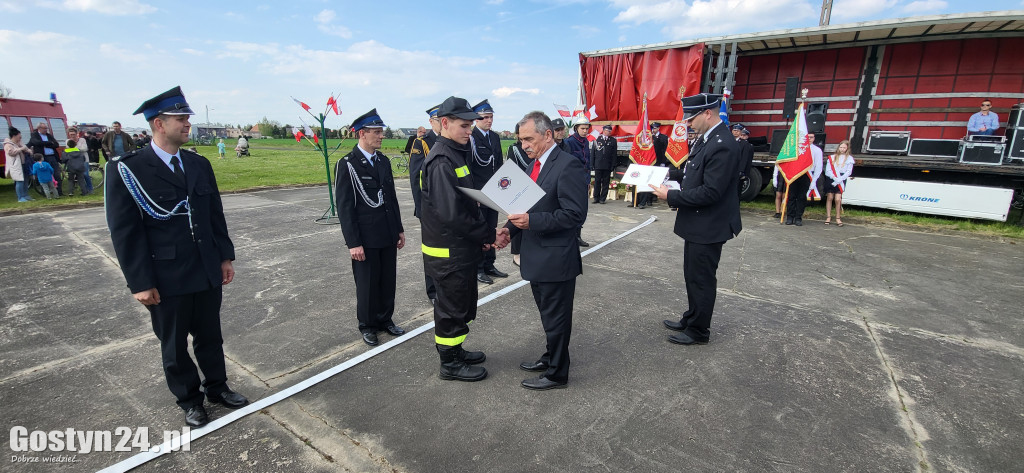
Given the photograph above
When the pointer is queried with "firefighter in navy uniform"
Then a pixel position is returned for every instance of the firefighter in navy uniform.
(420, 149)
(168, 230)
(364, 191)
(485, 160)
(455, 236)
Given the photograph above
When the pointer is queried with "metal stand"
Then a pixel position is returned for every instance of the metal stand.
(328, 218)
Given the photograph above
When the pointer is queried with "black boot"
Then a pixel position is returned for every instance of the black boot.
(470, 357)
(454, 368)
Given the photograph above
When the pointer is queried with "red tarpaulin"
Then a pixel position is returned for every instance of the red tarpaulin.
(616, 83)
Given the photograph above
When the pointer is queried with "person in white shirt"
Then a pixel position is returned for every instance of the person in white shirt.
(837, 171)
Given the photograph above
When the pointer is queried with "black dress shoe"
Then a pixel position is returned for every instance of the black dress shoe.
(482, 277)
(492, 271)
(395, 330)
(799, 222)
(228, 399)
(196, 416)
(684, 339)
(541, 383)
(370, 338)
(777, 215)
(533, 366)
(673, 325)
(581, 242)
(641, 206)
(789, 220)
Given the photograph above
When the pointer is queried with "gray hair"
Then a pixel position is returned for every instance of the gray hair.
(541, 122)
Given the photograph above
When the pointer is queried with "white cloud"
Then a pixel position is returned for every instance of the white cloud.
(683, 20)
(506, 91)
(14, 7)
(109, 7)
(857, 10)
(325, 23)
(924, 6)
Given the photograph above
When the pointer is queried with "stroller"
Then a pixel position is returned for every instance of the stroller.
(242, 148)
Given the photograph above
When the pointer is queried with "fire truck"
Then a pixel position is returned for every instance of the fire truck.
(900, 90)
(25, 115)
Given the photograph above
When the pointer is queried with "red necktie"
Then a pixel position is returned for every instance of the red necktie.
(536, 170)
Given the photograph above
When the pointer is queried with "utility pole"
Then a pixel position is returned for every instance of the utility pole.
(826, 12)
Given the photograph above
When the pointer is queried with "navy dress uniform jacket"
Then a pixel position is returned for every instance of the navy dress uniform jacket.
(485, 148)
(708, 202)
(549, 251)
(162, 253)
(361, 224)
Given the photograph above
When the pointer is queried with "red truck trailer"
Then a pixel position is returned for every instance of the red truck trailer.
(900, 90)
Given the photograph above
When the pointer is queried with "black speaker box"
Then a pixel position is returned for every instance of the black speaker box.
(789, 103)
(934, 148)
(981, 153)
(1016, 120)
(1015, 144)
(888, 142)
(760, 143)
(816, 116)
(778, 139)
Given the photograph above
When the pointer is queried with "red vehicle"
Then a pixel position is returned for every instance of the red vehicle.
(923, 77)
(25, 115)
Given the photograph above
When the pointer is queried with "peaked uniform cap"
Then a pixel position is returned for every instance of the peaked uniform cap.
(368, 120)
(171, 102)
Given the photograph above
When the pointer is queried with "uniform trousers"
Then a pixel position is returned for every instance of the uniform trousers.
(457, 293)
(375, 287)
(602, 178)
(491, 217)
(797, 201)
(700, 268)
(555, 301)
(198, 314)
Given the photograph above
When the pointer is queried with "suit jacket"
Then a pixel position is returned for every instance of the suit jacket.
(660, 146)
(746, 155)
(708, 201)
(485, 148)
(163, 253)
(549, 251)
(603, 153)
(417, 156)
(37, 144)
(361, 224)
(107, 143)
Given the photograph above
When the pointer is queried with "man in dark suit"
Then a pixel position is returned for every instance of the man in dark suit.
(603, 152)
(486, 159)
(417, 155)
(742, 136)
(42, 142)
(708, 215)
(167, 225)
(364, 190)
(550, 257)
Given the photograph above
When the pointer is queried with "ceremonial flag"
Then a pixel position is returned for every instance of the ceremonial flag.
(302, 104)
(795, 158)
(723, 113)
(563, 110)
(298, 134)
(642, 151)
(310, 132)
(592, 113)
(678, 149)
(331, 102)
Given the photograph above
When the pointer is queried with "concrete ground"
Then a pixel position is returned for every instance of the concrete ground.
(862, 348)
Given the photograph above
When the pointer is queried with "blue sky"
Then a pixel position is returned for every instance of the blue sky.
(243, 60)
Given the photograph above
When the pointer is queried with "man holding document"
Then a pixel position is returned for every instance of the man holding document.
(550, 257)
(455, 236)
(708, 215)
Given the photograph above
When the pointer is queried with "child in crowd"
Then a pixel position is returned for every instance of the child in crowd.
(78, 167)
(220, 148)
(44, 174)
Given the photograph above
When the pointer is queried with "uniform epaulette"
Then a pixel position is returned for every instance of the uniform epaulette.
(120, 158)
(183, 150)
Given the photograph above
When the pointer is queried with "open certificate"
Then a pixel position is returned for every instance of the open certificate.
(510, 191)
(643, 177)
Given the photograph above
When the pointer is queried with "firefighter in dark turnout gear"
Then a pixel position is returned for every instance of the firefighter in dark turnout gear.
(485, 160)
(455, 236)
(364, 191)
(420, 150)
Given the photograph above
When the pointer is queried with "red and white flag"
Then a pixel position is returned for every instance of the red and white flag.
(563, 111)
(642, 151)
(301, 104)
(298, 134)
(333, 103)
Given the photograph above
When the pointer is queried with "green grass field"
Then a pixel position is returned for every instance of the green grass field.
(276, 163)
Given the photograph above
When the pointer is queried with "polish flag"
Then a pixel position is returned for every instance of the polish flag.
(333, 104)
(563, 111)
(302, 104)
